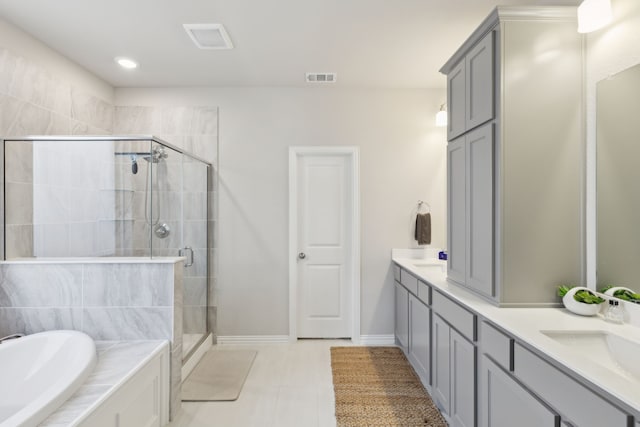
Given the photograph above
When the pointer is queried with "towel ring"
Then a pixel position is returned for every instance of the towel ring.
(421, 203)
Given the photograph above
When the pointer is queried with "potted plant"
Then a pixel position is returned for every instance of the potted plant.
(580, 300)
(621, 292)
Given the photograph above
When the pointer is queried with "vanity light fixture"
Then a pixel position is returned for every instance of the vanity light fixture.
(441, 116)
(593, 15)
(127, 63)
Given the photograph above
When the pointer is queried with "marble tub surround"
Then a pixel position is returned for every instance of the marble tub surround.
(117, 361)
(108, 299)
(101, 299)
(525, 325)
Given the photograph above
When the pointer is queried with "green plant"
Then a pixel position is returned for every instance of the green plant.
(623, 294)
(583, 295)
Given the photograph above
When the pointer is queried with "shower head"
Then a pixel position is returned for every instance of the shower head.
(157, 154)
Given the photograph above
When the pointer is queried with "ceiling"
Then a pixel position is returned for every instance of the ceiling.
(368, 43)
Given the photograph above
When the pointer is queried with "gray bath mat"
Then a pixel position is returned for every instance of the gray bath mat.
(219, 376)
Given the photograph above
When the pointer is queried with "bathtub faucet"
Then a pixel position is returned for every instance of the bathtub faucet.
(10, 337)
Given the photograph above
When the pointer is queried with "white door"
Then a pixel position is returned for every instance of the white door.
(324, 244)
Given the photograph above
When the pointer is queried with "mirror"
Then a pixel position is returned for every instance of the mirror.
(618, 180)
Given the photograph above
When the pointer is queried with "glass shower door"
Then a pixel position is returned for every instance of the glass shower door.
(195, 232)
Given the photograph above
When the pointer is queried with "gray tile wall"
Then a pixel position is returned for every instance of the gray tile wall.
(120, 301)
(33, 101)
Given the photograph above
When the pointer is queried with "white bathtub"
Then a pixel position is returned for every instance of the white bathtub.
(39, 372)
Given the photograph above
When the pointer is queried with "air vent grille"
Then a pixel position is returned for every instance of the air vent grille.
(321, 77)
(209, 36)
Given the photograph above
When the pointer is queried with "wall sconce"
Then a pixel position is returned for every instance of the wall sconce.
(593, 15)
(441, 116)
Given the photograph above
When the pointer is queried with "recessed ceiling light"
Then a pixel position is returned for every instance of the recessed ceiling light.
(209, 36)
(126, 63)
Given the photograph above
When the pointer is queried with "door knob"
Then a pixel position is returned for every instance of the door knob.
(302, 255)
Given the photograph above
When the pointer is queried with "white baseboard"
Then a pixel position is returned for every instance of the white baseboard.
(253, 339)
(196, 356)
(383, 340)
(365, 340)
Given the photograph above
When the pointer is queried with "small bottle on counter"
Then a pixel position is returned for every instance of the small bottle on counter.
(615, 312)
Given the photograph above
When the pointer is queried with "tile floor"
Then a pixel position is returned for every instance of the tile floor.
(288, 385)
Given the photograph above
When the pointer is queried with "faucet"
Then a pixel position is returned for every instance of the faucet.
(10, 337)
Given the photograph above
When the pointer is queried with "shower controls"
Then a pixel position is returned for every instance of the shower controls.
(162, 230)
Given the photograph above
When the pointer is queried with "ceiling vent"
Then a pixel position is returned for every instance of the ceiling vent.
(321, 77)
(209, 36)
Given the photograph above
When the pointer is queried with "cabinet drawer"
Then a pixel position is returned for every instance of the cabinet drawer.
(505, 403)
(576, 402)
(396, 272)
(462, 320)
(409, 281)
(424, 292)
(496, 345)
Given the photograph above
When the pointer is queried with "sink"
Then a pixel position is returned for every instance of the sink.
(610, 350)
(430, 264)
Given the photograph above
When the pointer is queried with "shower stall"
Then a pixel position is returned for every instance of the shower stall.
(112, 196)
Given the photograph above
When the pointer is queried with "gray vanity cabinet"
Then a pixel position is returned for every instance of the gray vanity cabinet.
(413, 322)
(470, 89)
(523, 181)
(578, 405)
(402, 317)
(457, 210)
(454, 361)
(454, 374)
(420, 338)
(505, 403)
(470, 209)
(479, 374)
(441, 337)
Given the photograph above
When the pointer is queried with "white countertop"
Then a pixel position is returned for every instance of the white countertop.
(525, 325)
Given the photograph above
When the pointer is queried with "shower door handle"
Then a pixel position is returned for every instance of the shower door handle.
(189, 261)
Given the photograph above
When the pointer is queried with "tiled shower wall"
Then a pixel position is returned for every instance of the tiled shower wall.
(195, 130)
(107, 300)
(33, 101)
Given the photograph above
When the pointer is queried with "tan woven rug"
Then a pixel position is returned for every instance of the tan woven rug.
(376, 386)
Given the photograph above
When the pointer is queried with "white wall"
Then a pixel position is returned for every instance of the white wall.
(609, 51)
(403, 159)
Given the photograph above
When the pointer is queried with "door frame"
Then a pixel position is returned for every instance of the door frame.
(352, 154)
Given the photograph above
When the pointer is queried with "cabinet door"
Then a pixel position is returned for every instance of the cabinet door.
(456, 210)
(479, 84)
(420, 338)
(402, 317)
(480, 185)
(463, 381)
(441, 339)
(456, 110)
(505, 403)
